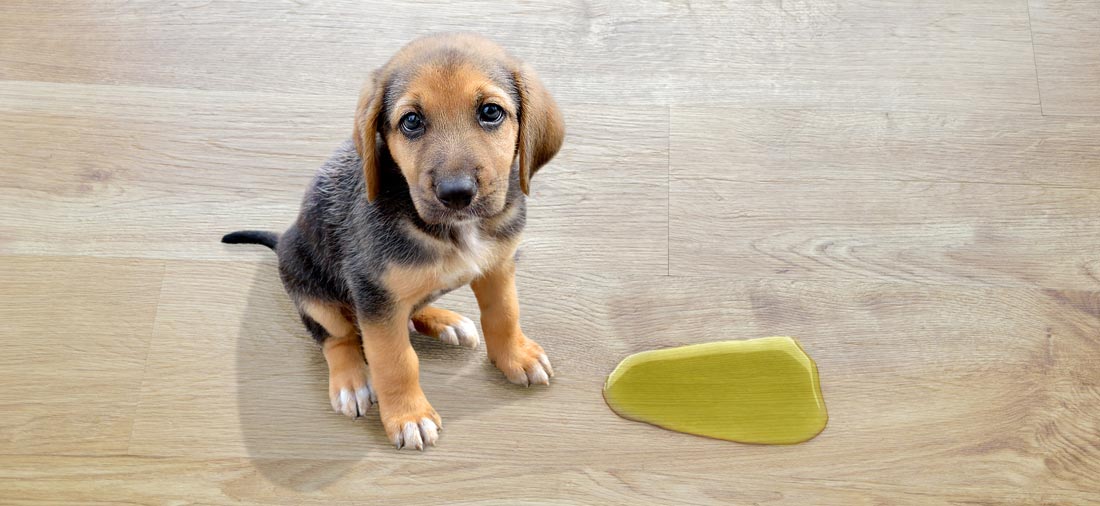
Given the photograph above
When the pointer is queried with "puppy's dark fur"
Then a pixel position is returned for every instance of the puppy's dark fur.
(373, 246)
(337, 248)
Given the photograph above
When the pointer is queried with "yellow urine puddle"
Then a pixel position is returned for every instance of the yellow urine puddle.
(762, 391)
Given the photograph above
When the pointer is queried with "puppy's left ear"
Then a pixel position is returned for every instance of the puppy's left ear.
(541, 128)
(366, 133)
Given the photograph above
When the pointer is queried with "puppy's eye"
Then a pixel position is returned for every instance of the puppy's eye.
(490, 114)
(411, 123)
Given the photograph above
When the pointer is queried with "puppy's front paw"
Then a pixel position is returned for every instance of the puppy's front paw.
(349, 392)
(448, 326)
(524, 363)
(411, 424)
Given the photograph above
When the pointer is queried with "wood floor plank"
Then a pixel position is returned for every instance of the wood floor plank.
(238, 375)
(75, 334)
(939, 233)
(163, 173)
(915, 198)
(1067, 38)
(882, 55)
(888, 54)
(919, 381)
(146, 481)
(772, 145)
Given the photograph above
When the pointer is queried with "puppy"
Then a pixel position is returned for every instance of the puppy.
(429, 195)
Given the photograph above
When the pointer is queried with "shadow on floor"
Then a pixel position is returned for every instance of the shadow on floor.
(281, 393)
(291, 434)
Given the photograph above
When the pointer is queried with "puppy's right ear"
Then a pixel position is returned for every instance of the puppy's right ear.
(366, 133)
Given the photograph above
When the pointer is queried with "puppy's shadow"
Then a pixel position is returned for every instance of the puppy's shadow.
(292, 436)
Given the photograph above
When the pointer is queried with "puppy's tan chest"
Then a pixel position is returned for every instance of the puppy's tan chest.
(468, 256)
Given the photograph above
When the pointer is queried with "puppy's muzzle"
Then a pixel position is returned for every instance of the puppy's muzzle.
(456, 193)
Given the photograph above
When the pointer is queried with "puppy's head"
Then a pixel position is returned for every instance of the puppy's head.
(456, 114)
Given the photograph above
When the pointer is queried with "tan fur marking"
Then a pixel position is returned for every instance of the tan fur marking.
(343, 350)
(499, 303)
(506, 217)
(447, 97)
(346, 367)
(509, 349)
(412, 284)
(330, 316)
(449, 93)
(431, 320)
(395, 374)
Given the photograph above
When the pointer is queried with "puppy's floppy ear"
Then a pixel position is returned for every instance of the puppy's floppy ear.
(366, 133)
(541, 128)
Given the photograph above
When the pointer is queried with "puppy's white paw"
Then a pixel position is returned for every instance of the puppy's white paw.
(353, 403)
(524, 364)
(535, 373)
(447, 326)
(416, 435)
(461, 333)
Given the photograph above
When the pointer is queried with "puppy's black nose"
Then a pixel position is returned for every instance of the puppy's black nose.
(456, 193)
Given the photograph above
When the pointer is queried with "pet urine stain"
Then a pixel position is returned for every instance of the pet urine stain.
(760, 391)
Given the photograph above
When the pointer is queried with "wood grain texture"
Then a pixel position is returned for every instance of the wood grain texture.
(875, 178)
(324, 482)
(75, 334)
(805, 145)
(1067, 55)
(941, 54)
(879, 197)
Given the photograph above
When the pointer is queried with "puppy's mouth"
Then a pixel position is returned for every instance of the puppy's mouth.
(434, 212)
(449, 217)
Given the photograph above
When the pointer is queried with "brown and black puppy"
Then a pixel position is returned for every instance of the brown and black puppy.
(428, 196)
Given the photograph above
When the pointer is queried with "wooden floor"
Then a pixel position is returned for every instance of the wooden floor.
(911, 188)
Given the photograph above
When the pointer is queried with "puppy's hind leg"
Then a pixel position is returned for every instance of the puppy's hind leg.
(449, 326)
(348, 388)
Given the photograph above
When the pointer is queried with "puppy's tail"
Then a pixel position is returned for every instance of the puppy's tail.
(269, 239)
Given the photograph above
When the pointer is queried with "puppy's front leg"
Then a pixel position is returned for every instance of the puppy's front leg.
(521, 360)
(408, 418)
